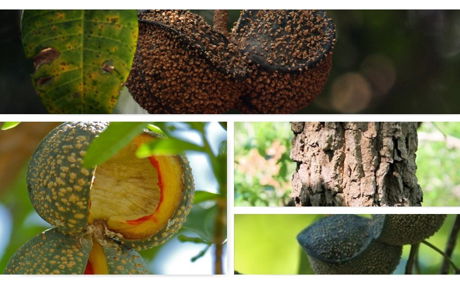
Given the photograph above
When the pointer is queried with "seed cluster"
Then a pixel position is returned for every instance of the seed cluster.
(273, 61)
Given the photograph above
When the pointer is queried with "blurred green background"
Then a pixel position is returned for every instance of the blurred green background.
(403, 61)
(267, 244)
(191, 251)
(263, 169)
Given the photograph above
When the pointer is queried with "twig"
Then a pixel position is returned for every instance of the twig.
(417, 265)
(220, 21)
(443, 254)
(221, 217)
(451, 242)
(412, 258)
(219, 235)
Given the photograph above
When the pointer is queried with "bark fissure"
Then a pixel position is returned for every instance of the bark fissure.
(355, 164)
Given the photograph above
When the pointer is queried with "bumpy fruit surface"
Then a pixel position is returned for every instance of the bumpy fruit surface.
(53, 252)
(346, 244)
(290, 55)
(274, 61)
(101, 214)
(401, 229)
(182, 65)
(137, 202)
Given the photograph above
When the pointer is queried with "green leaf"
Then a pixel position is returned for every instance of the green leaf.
(108, 143)
(223, 124)
(155, 129)
(202, 196)
(81, 57)
(197, 126)
(9, 125)
(166, 146)
(200, 254)
(201, 221)
(184, 238)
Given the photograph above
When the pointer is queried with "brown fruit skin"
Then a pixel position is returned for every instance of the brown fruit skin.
(290, 53)
(378, 258)
(403, 229)
(283, 92)
(183, 66)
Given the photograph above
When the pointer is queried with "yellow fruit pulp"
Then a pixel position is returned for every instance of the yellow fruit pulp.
(97, 262)
(136, 197)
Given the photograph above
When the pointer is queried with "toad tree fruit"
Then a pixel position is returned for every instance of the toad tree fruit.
(123, 204)
(53, 252)
(402, 229)
(346, 244)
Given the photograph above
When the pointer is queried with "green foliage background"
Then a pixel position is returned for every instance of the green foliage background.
(201, 223)
(260, 136)
(267, 244)
(437, 164)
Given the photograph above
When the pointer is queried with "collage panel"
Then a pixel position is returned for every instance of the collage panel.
(355, 164)
(346, 244)
(229, 61)
(95, 197)
(135, 177)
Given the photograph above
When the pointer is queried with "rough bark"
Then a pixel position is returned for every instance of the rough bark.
(355, 164)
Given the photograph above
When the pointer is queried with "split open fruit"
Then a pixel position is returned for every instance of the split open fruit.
(125, 203)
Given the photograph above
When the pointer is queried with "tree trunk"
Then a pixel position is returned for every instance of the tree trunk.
(355, 164)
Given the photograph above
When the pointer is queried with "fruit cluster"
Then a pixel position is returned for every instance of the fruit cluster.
(100, 215)
(273, 61)
(350, 244)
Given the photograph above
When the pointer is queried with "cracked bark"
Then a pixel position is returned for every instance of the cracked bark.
(355, 164)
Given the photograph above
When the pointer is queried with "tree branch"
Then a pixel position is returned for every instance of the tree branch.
(443, 254)
(412, 258)
(219, 235)
(451, 242)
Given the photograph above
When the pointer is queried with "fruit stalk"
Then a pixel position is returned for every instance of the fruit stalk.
(220, 21)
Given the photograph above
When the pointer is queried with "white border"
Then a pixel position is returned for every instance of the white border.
(230, 198)
(346, 210)
(234, 117)
(238, 4)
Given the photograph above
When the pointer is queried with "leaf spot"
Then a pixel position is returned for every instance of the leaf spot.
(42, 81)
(107, 67)
(45, 56)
